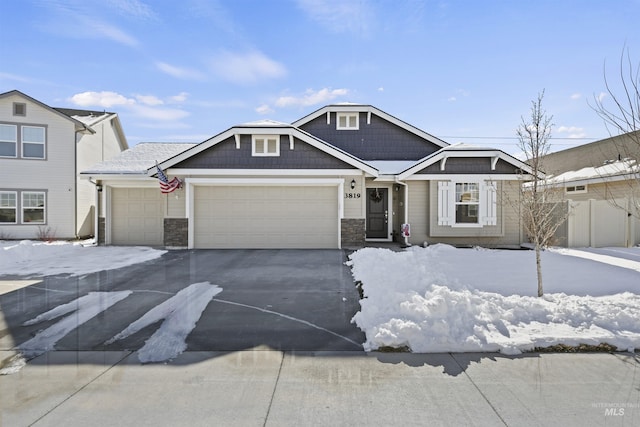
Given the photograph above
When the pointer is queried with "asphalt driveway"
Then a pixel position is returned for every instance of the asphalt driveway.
(288, 300)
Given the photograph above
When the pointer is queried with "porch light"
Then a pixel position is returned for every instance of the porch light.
(353, 184)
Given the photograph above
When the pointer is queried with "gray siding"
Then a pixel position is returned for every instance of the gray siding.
(479, 165)
(225, 155)
(379, 140)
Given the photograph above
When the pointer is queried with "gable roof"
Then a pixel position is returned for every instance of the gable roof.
(80, 126)
(370, 109)
(464, 150)
(269, 127)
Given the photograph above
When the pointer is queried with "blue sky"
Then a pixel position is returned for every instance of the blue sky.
(187, 70)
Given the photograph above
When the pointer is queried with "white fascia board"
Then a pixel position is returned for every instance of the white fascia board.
(115, 176)
(369, 109)
(193, 151)
(288, 130)
(297, 182)
(263, 172)
(443, 155)
(138, 183)
(466, 177)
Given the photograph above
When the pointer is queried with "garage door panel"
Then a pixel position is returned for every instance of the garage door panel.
(137, 216)
(266, 217)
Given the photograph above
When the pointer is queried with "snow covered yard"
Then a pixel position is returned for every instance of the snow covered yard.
(444, 299)
(28, 257)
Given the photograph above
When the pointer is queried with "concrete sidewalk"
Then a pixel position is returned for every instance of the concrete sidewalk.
(265, 387)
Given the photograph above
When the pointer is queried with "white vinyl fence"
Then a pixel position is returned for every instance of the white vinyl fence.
(599, 223)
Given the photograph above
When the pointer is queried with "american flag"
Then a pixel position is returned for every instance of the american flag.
(167, 186)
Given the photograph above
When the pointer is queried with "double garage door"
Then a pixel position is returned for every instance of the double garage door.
(225, 217)
(265, 217)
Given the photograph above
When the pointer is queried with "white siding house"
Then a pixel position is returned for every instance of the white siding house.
(42, 149)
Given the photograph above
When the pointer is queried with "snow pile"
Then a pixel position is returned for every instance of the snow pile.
(443, 299)
(28, 257)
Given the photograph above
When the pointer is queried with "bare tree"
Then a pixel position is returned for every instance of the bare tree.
(539, 200)
(619, 108)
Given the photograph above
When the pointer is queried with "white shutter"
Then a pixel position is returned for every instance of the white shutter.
(446, 208)
(488, 203)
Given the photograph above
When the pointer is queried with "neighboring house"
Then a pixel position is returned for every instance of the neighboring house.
(339, 177)
(602, 182)
(42, 151)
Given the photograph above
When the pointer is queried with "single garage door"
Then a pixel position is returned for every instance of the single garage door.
(137, 216)
(265, 217)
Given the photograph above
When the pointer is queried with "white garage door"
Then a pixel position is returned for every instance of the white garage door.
(265, 217)
(137, 216)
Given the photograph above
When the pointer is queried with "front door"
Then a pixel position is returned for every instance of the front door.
(377, 213)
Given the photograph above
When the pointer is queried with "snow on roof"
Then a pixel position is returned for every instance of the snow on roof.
(611, 169)
(391, 167)
(91, 120)
(265, 123)
(139, 159)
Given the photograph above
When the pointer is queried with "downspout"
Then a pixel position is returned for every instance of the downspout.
(96, 212)
(75, 186)
(406, 206)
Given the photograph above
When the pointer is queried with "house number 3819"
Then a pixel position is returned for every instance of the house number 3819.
(351, 195)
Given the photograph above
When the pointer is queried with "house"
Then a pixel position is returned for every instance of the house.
(601, 181)
(42, 151)
(339, 177)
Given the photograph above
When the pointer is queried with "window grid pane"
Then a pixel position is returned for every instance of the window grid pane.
(8, 133)
(8, 208)
(33, 134)
(33, 207)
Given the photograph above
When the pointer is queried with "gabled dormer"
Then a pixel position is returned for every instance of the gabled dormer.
(369, 133)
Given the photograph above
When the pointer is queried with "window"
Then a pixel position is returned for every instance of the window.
(23, 141)
(348, 121)
(19, 109)
(33, 142)
(265, 145)
(8, 140)
(467, 202)
(576, 189)
(33, 207)
(8, 207)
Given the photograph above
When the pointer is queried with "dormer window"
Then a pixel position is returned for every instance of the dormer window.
(265, 145)
(348, 121)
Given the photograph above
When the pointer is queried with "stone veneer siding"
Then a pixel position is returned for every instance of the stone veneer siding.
(176, 232)
(353, 232)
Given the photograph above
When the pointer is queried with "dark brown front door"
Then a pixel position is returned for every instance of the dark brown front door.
(377, 213)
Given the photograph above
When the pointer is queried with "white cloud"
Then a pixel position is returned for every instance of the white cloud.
(576, 96)
(452, 99)
(340, 16)
(572, 131)
(181, 97)
(380, 89)
(133, 8)
(149, 100)
(311, 97)
(601, 96)
(246, 67)
(144, 106)
(179, 72)
(104, 99)
(264, 109)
